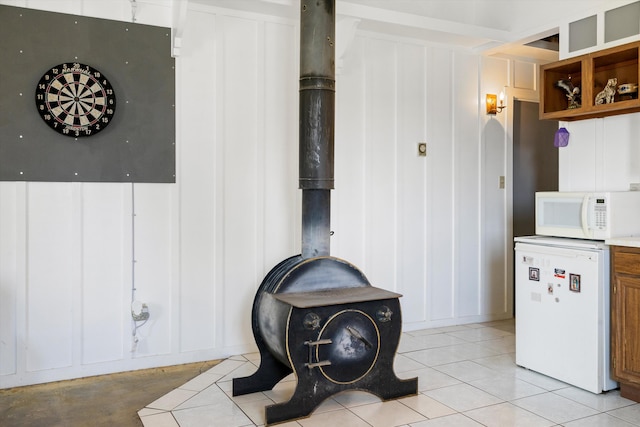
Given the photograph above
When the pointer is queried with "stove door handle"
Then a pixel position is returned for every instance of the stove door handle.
(314, 344)
(317, 343)
(318, 364)
(354, 332)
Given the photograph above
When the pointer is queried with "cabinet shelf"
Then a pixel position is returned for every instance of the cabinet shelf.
(590, 73)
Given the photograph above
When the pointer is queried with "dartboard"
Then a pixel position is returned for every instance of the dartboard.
(75, 99)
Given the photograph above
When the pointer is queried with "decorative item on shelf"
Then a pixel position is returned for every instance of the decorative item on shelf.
(561, 138)
(628, 91)
(607, 94)
(573, 92)
(492, 104)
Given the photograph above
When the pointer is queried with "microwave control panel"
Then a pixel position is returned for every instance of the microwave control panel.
(600, 209)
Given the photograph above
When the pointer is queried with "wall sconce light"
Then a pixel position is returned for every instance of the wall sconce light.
(492, 103)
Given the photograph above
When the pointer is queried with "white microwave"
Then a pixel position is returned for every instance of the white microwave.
(594, 216)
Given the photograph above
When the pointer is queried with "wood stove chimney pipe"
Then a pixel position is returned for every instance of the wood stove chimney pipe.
(316, 121)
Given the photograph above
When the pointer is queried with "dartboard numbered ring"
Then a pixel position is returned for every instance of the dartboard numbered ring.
(75, 100)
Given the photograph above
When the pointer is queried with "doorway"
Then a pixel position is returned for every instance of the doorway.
(535, 167)
(535, 163)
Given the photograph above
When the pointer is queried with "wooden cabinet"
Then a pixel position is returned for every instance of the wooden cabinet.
(590, 73)
(625, 319)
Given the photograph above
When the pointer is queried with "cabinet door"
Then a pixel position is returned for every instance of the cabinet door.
(626, 329)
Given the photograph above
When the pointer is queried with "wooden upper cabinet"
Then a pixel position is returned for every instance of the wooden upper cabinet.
(591, 73)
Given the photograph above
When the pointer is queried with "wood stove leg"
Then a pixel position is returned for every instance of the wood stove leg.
(383, 381)
(270, 372)
(395, 388)
(310, 392)
(308, 396)
(305, 399)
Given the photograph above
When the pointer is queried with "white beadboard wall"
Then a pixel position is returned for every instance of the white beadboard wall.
(602, 155)
(432, 228)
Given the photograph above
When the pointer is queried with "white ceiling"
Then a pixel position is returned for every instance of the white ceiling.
(492, 26)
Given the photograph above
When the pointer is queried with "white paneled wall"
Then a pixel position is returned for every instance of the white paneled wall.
(441, 170)
(431, 228)
(52, 215)
(348, 198)
(12, 219)
(602, 155)
(496, 293)
(467, 158)
(241, 102)
(424, 230)
(106, 271)
(412, 213)
(381, 162)
(155, 238)
(199, 187)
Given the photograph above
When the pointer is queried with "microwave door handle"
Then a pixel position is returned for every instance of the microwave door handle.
(584, 218)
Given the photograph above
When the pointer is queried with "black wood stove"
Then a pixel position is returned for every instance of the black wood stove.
(316, 315)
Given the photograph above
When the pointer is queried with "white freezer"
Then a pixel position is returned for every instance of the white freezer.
(562, 310)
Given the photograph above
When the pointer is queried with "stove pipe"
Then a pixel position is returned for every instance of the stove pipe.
(316, 120)
(314, 315)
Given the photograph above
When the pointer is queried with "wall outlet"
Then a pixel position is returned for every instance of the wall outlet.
(634, 186)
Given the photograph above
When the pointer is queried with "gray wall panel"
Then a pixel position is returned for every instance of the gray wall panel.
(137, 146)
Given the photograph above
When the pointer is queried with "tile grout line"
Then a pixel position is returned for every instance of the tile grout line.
(477, 340)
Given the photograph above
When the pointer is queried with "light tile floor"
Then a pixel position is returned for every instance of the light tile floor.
(467, 376)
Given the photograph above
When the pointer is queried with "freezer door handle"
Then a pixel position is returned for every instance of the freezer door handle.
(586, 254)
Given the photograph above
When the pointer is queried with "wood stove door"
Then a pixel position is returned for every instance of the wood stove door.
(353, 344)
(342, 347)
